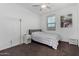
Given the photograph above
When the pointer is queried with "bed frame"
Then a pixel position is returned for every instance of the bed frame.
(40, 41)
(37, 30)
(34, 30)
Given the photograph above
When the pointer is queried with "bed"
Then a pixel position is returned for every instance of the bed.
(46, 38)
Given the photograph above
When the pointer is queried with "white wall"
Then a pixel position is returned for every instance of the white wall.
(65, 33)
(10, 25)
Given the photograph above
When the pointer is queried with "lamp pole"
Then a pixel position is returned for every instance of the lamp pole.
(20, 30)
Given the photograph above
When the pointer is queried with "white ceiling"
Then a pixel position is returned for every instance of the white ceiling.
(54, 6)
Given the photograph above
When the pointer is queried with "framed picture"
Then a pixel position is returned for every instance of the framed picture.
(66, 21)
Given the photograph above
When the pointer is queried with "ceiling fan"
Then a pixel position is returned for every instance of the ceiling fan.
(42, 6)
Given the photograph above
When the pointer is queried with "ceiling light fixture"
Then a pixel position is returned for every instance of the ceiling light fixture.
(43, 6)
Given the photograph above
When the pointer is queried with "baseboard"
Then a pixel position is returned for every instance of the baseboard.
(7, 47)
(65, 41)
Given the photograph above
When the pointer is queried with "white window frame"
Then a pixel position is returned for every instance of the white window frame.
(51, 28)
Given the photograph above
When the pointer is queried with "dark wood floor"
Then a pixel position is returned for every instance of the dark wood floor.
(35, 49)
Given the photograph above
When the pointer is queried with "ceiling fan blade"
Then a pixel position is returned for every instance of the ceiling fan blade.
(35, 5)
(49, 7)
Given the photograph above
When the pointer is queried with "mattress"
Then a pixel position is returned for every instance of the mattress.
(46, 38)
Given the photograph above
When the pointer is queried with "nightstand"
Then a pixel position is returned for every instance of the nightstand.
(74, 39)
(27, 39)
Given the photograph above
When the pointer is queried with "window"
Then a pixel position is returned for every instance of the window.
(51, 23)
